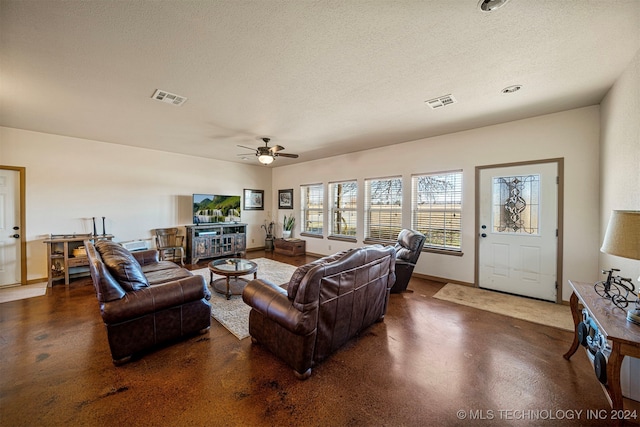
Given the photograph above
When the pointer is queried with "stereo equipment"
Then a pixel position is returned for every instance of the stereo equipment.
(206, 233)
(590, 337)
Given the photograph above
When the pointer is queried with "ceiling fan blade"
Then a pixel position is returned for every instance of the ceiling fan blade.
(248, 148)
(276, 148)
(293, 156)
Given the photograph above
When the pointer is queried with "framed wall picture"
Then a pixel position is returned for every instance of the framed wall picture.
(285, 199)
(253, 200)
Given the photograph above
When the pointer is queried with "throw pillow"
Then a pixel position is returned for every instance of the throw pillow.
(122, 265)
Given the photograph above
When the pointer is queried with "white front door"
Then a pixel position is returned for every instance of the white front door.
(518, 236)
(10, 250)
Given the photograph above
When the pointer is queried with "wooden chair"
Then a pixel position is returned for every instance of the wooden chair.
(168, 240)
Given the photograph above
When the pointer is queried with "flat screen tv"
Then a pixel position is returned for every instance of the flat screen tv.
(215, 208)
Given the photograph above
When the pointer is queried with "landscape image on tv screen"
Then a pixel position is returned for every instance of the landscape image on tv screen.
(211, 208)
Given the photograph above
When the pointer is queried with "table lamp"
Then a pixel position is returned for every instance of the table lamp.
(622, 239)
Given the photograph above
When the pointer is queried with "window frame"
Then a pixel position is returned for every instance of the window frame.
(334, 210)
(449, 207)
(305, 210)
(397, 225)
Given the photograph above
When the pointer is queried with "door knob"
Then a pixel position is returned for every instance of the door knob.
(17, 236)
(484, 235)
(16, 228)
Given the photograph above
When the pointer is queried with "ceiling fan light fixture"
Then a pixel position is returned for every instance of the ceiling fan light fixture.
(266, 155)
(491, 5)
(265, 159)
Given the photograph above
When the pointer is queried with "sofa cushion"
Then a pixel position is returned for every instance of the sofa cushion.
(158, 277)
(122, 265)
(160, 266)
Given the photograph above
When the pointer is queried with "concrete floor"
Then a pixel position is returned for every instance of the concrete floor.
(431, 362)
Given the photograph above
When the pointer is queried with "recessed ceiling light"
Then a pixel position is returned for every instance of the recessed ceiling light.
(511, 89)
(491, 5)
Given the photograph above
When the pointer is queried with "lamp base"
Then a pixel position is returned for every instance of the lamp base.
(634, 316)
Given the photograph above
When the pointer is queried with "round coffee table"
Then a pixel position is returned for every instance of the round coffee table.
(232, 269)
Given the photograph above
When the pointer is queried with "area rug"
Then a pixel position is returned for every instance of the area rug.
(540, 312)
(233, 313)
(23, 292)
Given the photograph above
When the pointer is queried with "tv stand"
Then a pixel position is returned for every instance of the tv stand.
(216, 241)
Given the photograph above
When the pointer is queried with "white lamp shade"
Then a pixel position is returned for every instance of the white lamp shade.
(622, 237)
(265, 159)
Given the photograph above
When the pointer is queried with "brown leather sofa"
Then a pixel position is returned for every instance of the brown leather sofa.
(326, 303)
(143, 301)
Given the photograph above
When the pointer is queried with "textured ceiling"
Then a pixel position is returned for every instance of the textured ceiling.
(319, 77)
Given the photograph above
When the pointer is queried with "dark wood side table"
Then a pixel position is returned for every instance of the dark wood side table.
(292, 247)
(623, 335)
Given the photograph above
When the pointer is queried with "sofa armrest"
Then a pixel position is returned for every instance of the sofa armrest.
(272, 302)
(147, 256)
(154, 298)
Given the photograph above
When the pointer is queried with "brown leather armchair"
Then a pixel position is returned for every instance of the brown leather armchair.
(408, 249)
(326, 303)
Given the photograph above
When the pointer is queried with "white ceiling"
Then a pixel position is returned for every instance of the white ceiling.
(321, 77)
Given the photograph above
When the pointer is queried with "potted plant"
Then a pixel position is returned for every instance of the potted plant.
(287, 226)
(268, 240)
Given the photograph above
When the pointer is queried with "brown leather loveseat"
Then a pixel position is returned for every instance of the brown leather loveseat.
(144, 301)
(326, 303)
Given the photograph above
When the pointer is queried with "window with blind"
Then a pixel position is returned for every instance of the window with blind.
(437, 208)
(312, 206)
(344, 208)
(383, 208)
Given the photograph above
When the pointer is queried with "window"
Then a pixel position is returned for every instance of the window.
(516, 204)
(437, 208)
(312, 214)
(344, 208)
(383, 208)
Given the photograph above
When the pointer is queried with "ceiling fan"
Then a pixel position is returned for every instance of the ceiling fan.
(266, 154)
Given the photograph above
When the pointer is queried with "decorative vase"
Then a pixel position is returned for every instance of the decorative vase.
(268, 244)
(286, 234)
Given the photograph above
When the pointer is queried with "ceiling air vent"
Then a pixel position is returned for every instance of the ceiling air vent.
(168, 97)
(441, 101)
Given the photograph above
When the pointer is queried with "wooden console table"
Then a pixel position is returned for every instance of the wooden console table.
(612, 323)
(62, 262)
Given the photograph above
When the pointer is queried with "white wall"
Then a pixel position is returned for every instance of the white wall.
(70, 180)
(620, 183)
(620, 158)
(572, 135)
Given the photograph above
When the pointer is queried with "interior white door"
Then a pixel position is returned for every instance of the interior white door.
(518, 230)
(10, 262)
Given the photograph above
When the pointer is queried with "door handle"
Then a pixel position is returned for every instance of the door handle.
(16, 236)
(16, 228)
(483, 235)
